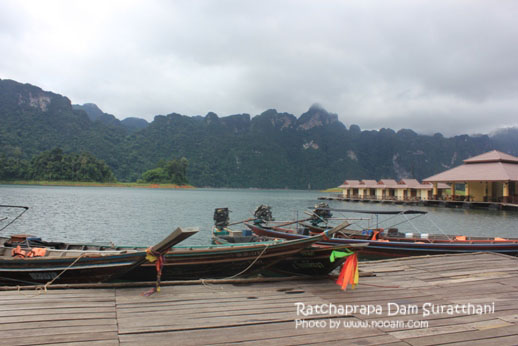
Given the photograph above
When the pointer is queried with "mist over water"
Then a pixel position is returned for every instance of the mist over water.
(141, 216)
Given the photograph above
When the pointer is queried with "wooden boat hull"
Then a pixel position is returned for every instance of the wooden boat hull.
(40, 270)
(392, 249)
(218, 262)
(313, 261)
(64, 266)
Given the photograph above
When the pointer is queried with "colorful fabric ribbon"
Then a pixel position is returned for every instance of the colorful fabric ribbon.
(152, 256)
(339, 254)
(349, 273)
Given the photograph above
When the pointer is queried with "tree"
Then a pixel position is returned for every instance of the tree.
(156, 175)
(55, 165)
(12, 168)
(173, 172)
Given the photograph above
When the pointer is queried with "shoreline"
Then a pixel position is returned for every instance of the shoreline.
(143, 185)
(97, 184)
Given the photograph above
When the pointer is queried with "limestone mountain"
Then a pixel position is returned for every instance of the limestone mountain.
(269, 150)
(134, 124)
(96, 114)
(34, 121)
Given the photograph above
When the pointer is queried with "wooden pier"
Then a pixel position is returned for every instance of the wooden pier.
(265, 313)
(429, 203)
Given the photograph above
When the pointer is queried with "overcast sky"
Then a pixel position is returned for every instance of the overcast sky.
(432, 66)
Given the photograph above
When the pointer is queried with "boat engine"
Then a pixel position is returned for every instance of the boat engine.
(321, 213)
(221, 218)
(263, 213)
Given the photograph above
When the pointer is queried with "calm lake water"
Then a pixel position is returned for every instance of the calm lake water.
(138, 216)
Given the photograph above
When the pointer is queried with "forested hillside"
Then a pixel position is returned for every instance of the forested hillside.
(269, 150)
(54, 165)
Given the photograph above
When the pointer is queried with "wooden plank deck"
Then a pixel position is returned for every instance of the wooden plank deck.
(265, 313)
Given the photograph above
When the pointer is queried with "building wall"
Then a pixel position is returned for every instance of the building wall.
(498, 191)
(423, 194)
(383, 193)
(477, 191)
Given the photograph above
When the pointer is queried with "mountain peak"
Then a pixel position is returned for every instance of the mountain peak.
(95, 114)
(316, 107)
(275, 119)
(91, 109)
(211, 117)
(134, 124)
(30, 97)
(316, 116)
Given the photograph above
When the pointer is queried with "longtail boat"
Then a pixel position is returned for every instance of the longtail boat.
(390, 243)
(23, 264)
(222, 261)
(311, 261)
(180, 262)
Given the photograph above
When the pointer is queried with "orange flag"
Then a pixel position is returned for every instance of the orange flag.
(349, 273)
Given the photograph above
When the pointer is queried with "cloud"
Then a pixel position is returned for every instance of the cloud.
(427, 65)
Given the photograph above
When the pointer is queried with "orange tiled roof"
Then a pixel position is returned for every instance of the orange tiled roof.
(350, 184)
(389, 183)
(491, 166)
(369, 184)
(414, 184)
(492, 156)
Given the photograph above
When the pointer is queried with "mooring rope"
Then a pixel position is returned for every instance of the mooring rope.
(43, 288)
(241, 272)
(439, 228)
(411, 223)
(401, 222)
(251, 264)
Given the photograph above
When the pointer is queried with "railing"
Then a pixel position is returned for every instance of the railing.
(446, 198)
